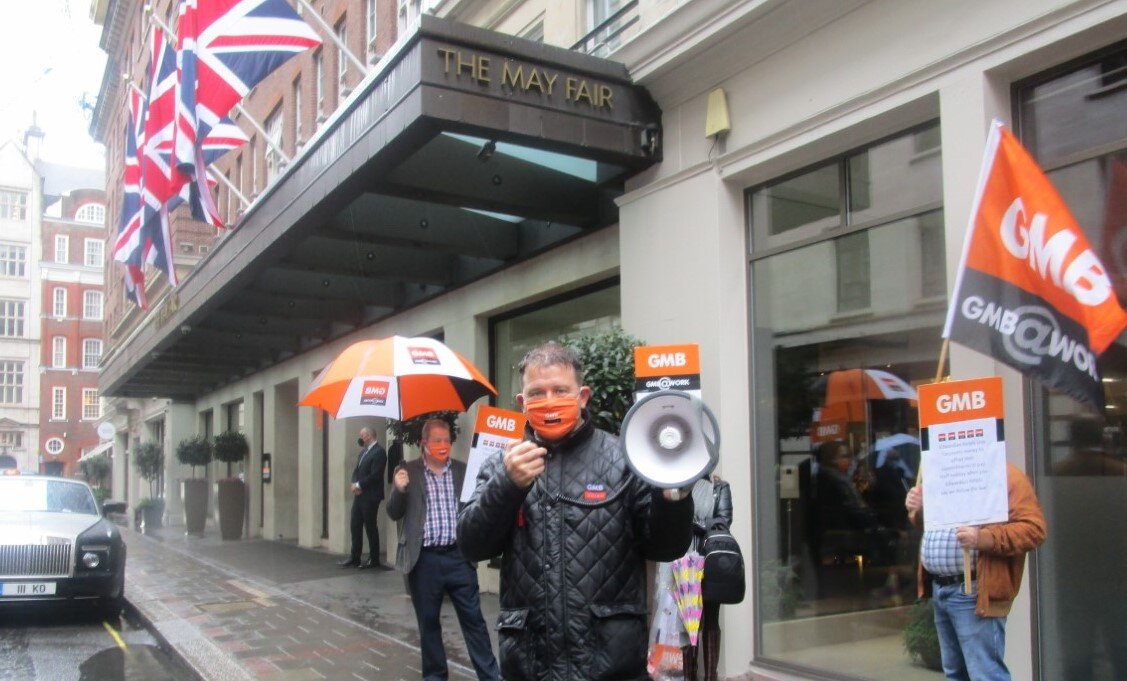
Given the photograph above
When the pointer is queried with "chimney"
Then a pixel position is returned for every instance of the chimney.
(33, 140)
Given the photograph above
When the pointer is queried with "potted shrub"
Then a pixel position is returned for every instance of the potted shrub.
(608, 362)
(148, 459)
(95, 470)
(194, 451)
(231, 447)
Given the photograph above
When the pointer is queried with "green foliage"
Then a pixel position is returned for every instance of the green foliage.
(231, 446)
(194, 451)
(95, 470)
(608, 362)
(100, 495)
(410, 432)
(920, 638)
(148, 459)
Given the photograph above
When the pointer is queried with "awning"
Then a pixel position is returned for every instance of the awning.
(104, 447)
(465, 152)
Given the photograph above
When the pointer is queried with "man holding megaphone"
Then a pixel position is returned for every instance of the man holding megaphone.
(574, 527)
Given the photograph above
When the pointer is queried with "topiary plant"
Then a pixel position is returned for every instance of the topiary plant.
(194, 451)
(148, 459)
(608, 362)
(919, 635)
(410, 432)
(95, 469)
(231, 447)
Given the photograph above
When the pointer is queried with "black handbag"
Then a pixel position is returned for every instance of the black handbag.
(723, 580)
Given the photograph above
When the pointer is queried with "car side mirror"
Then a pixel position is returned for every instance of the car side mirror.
(117, 507)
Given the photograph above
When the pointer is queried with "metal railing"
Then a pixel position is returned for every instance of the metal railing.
(608, 35)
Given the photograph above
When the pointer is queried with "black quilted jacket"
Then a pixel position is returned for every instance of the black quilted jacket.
(573, 549)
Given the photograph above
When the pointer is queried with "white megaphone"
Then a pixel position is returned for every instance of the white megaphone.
(668, 441)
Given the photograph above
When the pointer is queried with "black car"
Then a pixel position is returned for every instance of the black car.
(56, 546)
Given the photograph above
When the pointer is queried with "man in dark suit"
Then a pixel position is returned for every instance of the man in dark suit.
(367, 490)
(424, 496)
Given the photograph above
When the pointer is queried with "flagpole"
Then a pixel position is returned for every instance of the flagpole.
(303, 5)
(215, 176)
(243, 112)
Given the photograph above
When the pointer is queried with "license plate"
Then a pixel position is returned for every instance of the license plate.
(29, 589)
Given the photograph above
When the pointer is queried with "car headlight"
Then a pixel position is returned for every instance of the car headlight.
(91, 559)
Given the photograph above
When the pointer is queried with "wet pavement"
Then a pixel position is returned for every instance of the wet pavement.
(273, 610)
(65, 643)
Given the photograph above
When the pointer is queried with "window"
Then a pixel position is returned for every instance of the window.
(91, 404)
(13, 205)
(11, 382)
(54, 446)
(298, 137)
(408, 14)
(370, 25)
(11, 439)
(592, 309)
(1071, 121)
(91, 353)
(59, 302)
(95, 250)
(58, 404)
(11, 318)
(319, 83)
(847, 282)
(62, 246)
(274, 160)
(91, 212)
(92, 305)
(252, 149)
(13, 260)
(342, 63)
(59, 352)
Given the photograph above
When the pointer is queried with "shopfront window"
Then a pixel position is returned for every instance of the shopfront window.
(845, 275)
(513, 335)
(1072, 121)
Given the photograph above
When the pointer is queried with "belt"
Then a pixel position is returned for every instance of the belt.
(948, 580)
(441, 549)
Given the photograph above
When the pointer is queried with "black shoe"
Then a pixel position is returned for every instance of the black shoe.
(385, 568)
(366, 565)
(350, 562)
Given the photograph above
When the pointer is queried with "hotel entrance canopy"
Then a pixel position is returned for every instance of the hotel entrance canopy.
(464, 152)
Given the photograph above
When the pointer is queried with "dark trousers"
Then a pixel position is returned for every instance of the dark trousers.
(436, 574)
(364, 515)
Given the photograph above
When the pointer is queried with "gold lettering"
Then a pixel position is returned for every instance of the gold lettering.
(512, 78)
(446, 56)
(583, 92)
(604, 97)
(483, 69)
(551, 81)
(570, 87)
(534, 81)
(469, 65)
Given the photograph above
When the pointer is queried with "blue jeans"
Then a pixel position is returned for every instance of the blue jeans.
(972, 647)
(435, 576)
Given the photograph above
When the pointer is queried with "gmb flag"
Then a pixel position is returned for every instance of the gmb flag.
(1030, 291)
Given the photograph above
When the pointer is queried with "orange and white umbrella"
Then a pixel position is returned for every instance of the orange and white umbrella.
(397, 378)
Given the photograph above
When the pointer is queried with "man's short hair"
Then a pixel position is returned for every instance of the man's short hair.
(431, 423)
(551, 354)
(828, 451)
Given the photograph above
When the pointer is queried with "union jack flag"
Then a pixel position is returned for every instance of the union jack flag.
(127, 247)
(226, 47)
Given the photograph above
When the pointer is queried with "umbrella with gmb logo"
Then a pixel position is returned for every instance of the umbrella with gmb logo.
(396, 378)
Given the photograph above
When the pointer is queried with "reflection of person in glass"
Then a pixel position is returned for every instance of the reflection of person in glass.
(839, 504)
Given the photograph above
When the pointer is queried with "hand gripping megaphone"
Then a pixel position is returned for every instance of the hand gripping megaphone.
(668, 440)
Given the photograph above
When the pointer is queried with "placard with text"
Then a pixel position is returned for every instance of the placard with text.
(493, 431)
(666, 367)
(964, 453)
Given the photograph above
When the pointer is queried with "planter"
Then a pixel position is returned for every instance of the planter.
(194, 492)
(232, 501)
(152, 515)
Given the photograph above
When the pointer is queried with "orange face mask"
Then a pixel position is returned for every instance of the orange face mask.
(440, 452)
(554, 418)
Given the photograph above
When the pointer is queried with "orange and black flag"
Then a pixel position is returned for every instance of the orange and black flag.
(1030, 290)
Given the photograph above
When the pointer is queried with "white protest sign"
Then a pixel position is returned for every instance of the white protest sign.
(964, 453)
(494, 430)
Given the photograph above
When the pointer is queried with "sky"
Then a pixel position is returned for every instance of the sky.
(52, 63)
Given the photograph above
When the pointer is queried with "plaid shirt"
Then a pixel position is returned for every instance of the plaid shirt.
(442, 508)
(941, 554)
